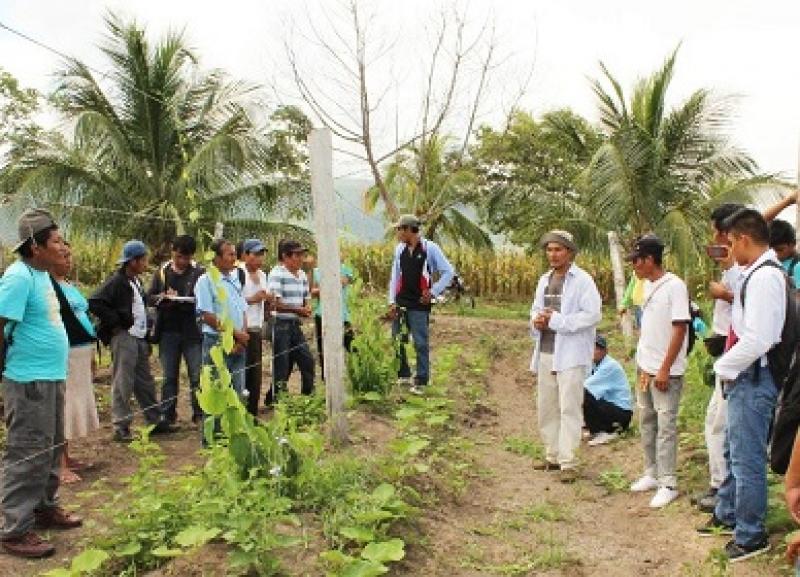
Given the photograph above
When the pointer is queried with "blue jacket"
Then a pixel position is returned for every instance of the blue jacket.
(435, 262)
(608, 382)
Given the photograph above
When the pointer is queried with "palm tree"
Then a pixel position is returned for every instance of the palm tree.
(161, 148)
(427, 181)
(660, 170)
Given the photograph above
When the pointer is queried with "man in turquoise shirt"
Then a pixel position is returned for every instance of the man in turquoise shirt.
(33, 389)
(607, 397)
(347, 278)
(783, 240)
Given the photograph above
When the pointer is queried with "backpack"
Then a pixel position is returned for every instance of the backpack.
(790, 272)
(782, 355)
(785, 423)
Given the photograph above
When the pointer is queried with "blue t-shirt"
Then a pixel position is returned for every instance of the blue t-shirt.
(207, 300)
(39, 345)
(787, 265)
(79, 306)
(346, 272)
(608, 382)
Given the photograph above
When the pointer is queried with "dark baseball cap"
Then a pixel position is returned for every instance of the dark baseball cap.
(600, 342)
(647, 245)
(289, 246)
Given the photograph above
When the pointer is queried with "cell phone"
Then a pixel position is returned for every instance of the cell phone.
(717, 251)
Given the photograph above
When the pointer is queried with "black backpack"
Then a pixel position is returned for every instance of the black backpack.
(782, 355)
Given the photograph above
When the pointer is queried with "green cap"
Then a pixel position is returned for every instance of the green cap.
(407, 220)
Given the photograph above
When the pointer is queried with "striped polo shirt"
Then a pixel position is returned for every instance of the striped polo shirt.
(290, 289)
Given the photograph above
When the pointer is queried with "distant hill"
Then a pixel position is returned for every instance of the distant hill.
(352, 219)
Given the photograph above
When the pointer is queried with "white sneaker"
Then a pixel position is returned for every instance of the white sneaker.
(601, 438)
(404, 381)
(646, 483)
(663, 497)
(416, 390)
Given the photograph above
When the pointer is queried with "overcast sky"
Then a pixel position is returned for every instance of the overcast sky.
(735, 47)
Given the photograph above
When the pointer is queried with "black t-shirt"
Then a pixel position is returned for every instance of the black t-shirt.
(410, 293)
(179, 317)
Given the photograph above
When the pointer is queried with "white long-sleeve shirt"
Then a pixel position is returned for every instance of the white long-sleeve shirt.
(574, 325)
(759, 322)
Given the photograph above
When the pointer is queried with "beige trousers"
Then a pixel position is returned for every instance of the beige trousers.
(560, 411)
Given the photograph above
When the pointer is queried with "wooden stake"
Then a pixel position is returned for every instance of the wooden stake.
(615, 249)
(321, 156)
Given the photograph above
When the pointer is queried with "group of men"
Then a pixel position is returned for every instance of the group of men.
(756, 258)
(192, 308)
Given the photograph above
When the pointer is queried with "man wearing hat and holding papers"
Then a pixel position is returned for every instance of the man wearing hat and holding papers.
(411, 288)
(566, 309)
(120, 305)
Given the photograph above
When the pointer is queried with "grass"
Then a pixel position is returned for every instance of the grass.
(613, 480)
(524, 447)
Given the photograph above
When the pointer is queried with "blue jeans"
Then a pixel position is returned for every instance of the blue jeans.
(742, 497)
(171, 347)
(417, 323)
(234, 362)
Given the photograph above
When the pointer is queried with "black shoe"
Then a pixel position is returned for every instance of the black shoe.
(708, 503)
(164, 428)
(546, 466)
(123, 435)
(714, 527)
(737, 552)
(696, 499)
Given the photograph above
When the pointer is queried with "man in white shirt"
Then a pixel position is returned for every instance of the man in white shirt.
(565, 311)
(256, 295)
(661, 363)
(717, 411)
(759, 313)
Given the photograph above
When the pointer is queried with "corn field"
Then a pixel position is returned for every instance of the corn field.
(503, 275)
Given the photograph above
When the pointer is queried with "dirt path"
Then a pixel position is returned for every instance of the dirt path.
(517, 521)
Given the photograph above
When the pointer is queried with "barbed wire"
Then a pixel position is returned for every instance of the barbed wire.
(144, 410)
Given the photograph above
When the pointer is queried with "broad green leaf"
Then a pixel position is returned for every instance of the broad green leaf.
(240, 449)
(162, 551)
(212, 400)
(194, 215)
(59, 572)
(90, 560)
(408, 413)
(218, 357)
(384, 492)
(436, 420)
(364, 568)
(195, 536)
(391, 550)
(358, 534)
(227, 341)
(132, 548)
(372, 396)
(336, 557)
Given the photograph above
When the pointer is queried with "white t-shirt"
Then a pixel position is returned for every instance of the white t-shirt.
(665, 301)
(139, 327)
(723, 310)
(255, 312)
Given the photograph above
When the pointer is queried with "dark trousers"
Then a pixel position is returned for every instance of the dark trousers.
(417, 323)
(348, 341)
(289, 347)
(171, 347)
(600, 415)
(252, 374)
(34, 416)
